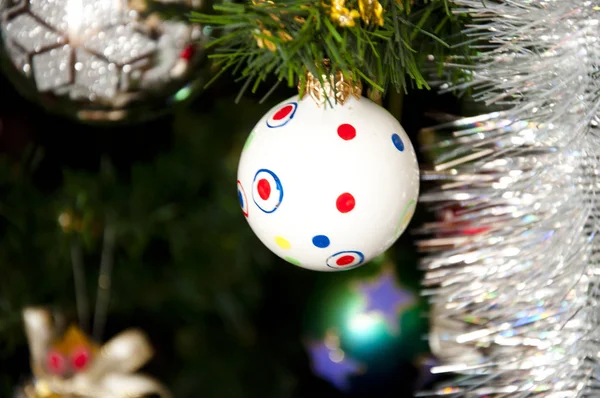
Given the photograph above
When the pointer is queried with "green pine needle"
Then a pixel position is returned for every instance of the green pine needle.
(286, 38)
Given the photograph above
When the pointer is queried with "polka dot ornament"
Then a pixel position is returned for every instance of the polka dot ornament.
(328, 189)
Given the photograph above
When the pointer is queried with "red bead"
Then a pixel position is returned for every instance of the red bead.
(80, 358)
(187, 53)
(56, 363)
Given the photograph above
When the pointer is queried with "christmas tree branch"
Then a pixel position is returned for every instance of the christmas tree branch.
(379, 42)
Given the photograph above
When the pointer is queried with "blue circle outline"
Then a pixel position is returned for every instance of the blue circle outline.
(359, 254)
(290, 117)
(277, 186)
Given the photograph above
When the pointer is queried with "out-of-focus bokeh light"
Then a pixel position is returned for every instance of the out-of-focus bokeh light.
(375, 317)
(331, 363)
(184, 93)
(364, 323)
(384, 296)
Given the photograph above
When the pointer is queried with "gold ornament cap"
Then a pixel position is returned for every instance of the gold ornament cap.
(336, 87)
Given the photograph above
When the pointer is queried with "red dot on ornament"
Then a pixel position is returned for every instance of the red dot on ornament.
(56, 362)
(80, 359)
(346, 131)
(283, 112)
(187, 53)
(344, 260)
(264, 189)
(345, 202)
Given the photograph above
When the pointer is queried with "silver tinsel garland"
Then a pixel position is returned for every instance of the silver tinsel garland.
(514, 274)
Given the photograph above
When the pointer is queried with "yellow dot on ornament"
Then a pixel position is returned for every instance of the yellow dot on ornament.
(282, 242)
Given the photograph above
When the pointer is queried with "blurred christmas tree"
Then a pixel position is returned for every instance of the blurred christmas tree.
(227, 318)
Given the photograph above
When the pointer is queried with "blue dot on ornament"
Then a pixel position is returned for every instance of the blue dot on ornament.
(321, 241)
(397, 141)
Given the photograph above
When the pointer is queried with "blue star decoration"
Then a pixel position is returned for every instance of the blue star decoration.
(330, 363)
(385, 297)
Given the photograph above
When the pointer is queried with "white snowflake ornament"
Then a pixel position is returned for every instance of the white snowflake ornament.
(328, 188)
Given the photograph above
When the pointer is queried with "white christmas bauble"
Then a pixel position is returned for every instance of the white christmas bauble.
(328, 189)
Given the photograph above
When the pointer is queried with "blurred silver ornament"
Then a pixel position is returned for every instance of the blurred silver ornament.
(515, 302)
(103, 60)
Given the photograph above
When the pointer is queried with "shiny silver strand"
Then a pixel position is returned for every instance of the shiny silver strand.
(513, 275)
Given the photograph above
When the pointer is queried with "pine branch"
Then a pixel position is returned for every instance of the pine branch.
(288, 37)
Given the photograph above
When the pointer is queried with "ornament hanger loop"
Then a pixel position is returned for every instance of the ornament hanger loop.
(336, 86)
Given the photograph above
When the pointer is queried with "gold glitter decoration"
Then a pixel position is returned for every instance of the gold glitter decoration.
(302, 20)
(342, 15)
(267, 3)
(284, 36)
(138, 5)
(371, 12)
(69, 222)
(375, 95)
(336, 87)
(411, 2)
(263, 42)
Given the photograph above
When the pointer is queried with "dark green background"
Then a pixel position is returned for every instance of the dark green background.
(226, 316)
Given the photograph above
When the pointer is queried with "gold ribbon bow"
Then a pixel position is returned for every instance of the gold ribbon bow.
(111, 372)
